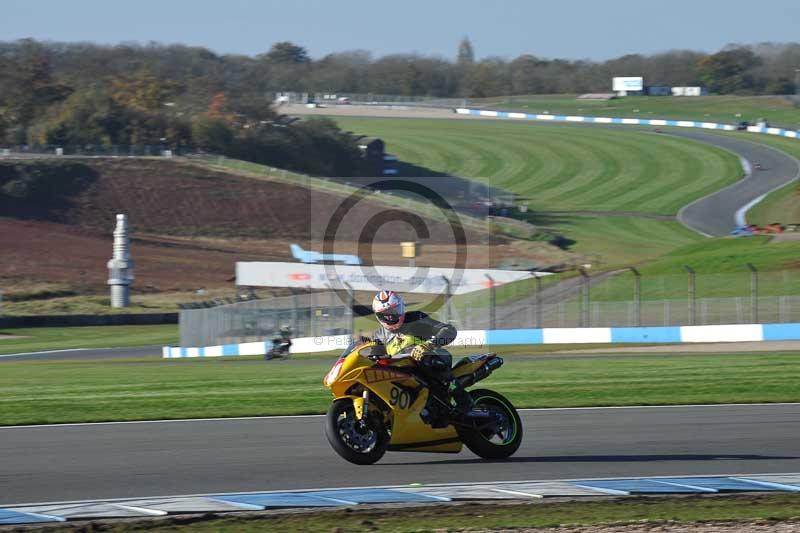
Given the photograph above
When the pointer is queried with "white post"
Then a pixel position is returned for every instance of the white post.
(120, 267)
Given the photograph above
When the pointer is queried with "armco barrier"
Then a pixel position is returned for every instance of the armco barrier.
(479, 338)
(781, 132)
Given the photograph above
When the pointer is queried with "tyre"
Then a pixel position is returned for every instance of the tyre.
(499, 440)
(357, 443)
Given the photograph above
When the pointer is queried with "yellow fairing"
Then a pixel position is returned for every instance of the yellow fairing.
(404, 396)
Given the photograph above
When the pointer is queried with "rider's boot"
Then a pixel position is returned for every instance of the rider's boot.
(461, 397)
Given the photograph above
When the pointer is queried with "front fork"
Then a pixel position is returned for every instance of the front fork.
(361, 406)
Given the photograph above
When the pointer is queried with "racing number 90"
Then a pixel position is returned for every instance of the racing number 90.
(400, 398)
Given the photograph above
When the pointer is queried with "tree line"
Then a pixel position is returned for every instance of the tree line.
(84, 93)
(175, 97)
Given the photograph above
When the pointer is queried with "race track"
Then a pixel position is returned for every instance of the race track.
(101, 461)
(714, 214)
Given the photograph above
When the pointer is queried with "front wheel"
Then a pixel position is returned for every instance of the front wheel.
(498, 438)
(360, 442)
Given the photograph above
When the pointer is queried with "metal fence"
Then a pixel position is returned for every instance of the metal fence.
(309, 315)
(626, 298)
(573, 314)
(549, 302)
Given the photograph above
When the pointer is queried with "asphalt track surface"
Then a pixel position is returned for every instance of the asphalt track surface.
(715, 214)
(98, 461)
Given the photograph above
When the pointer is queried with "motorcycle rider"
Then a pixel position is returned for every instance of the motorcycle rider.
(400, 330)
(281, 345)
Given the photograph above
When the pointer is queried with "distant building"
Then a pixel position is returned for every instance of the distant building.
(658, 90)
(689, 91)
(628, 85)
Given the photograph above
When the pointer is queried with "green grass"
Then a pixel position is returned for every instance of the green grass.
(617, 241)
(561, 168)
(567, 172)
(37, 392)
(781, 206)
(769, 510)
(778, 110)
(721, 267)
(42, 339)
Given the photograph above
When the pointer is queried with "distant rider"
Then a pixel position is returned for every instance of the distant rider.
(281, 344)
(400, 330)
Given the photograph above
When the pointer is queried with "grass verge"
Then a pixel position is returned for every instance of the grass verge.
(19, 340)
(561, 167)
(740, 512)
(608, 191)
(39, 392)
(721, 267)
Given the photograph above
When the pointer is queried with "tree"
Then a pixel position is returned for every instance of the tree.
(287, 52)
(141, 90)
(412, 84)
(466, 55)
(212, 134)
(524, 75)
(727, 71)
(86, 117)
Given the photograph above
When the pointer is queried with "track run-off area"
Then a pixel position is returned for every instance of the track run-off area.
(142, 459)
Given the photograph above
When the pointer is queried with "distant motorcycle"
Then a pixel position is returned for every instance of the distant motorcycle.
(279, 350)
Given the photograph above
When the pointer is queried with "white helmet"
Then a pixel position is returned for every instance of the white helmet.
(389, 309)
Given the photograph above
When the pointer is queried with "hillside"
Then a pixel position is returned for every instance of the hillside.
(189, 224)
(613, 193)
(181, 198)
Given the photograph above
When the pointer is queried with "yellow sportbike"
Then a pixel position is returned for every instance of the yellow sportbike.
(378, 400)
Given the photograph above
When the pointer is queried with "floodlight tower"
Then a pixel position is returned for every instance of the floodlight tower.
(120, 267)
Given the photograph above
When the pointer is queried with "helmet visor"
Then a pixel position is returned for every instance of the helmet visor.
(389, 317)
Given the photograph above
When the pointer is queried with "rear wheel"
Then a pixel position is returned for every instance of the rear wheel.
(498, 438)
(360, 442)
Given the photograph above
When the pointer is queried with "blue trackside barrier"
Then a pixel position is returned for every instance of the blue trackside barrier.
(646, 334)
(781, 332)
(499, 337)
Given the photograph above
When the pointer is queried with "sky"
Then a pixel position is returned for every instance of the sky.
(569, 29)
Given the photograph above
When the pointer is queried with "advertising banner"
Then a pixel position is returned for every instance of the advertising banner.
(628, 84)
(424, 280)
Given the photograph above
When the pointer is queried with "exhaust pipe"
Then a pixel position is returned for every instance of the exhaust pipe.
(482, 373)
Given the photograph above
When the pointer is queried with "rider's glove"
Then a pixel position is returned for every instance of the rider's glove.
(420, 350)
